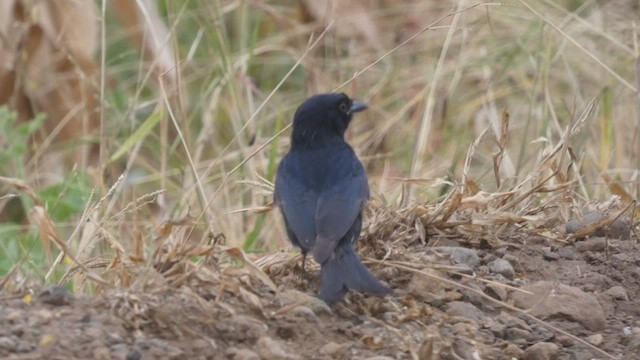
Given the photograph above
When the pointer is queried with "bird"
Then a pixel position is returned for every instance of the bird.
(321, 189)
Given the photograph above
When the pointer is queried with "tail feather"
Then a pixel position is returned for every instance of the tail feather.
(345, 271)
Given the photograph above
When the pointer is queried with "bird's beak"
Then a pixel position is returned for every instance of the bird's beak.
(357, 106)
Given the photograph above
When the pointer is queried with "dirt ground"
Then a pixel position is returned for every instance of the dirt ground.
(580, 300)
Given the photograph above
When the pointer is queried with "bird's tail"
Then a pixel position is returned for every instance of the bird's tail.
(345, 271)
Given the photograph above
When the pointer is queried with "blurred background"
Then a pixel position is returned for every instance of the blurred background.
(124, 120)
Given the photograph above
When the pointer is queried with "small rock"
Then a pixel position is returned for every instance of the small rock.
(489, 257)
(618, 229)
(498, 330)
(24, 346)
(113, 338)
(589, 287)
(119, 351)
(502, 267)
(134, 354)
(43, 317)
(453, 296)
(592, 244)
(595, 339)
(305, 312)
(516, 335)
(580, 354)
(459, 255)
(496, 291)
(464, 269)
(94, 332)
(14, 316)
(294, 296)
(241, 354)
(511, 258)
(379, 357)
(541, 351)
(101, 352)
(618, 293)
(202, 344)
(56, 295)
(8, 344)
(567, 252)
(271, 349)
(331, 348)
(463, 348)
(474, 297)
(552, 300)
(465, 310)
(550, 255)
(424, 287)
(241, 328)
(513, 351)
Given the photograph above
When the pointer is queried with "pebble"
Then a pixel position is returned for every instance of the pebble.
(550, 299)
(567, 252)
(459, 255)
(56, 295)
(305, 312)
(580, 354)
(593, 244)
(8, 344)
(541, 351)
(24, 346)
(550, 255)
(294, 296)
(595, 339)
(500, 252)
(516, 335)
(241, 354)
(513, 351)
(618, 293)
(119, 351)
(465, 310)
(618, 229)
(271, 349)
(331, 348)
(101, 352)
(502, 267)
(496, 291)
(498, 330)
(134, 354)
(241, 328)
(463, 348)
(453, 296)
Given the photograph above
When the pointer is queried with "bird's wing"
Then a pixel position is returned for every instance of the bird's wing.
(298, 205)
(337, 211)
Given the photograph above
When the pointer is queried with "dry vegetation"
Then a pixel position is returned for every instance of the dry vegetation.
(145, 188)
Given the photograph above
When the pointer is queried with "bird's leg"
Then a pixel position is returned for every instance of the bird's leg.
(304, 259)
(302, 269)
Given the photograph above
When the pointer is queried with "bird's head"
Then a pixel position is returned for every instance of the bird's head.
(322, 117)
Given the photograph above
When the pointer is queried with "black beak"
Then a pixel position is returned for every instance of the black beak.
(357, 106)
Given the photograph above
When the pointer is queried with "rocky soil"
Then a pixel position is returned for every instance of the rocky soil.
(580, 302)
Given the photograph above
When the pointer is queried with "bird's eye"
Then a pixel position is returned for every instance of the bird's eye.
(344, 107)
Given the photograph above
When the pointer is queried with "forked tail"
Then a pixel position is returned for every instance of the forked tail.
(345, 271)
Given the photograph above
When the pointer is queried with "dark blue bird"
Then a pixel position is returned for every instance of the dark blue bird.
(321, 189)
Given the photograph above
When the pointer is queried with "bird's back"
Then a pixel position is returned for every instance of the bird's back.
(307, 176)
